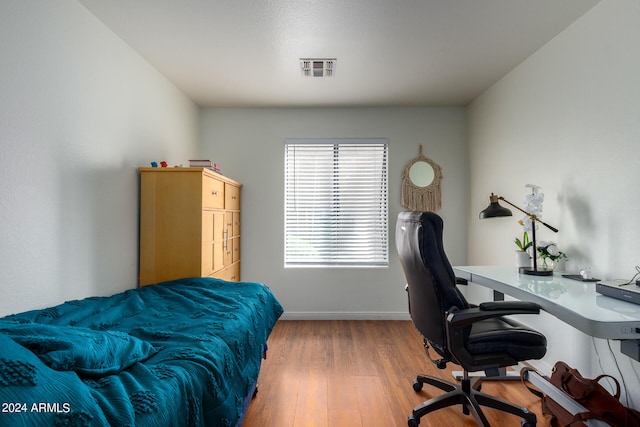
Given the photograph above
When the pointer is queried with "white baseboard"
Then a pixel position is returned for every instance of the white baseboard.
(344, 316)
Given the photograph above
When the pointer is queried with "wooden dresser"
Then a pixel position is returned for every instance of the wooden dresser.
(189, 225)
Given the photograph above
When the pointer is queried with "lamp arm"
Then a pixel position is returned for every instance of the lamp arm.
(530, 215)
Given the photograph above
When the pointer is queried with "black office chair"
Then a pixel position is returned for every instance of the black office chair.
(478, 338)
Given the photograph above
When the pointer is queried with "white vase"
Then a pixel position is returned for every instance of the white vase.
(523, 259)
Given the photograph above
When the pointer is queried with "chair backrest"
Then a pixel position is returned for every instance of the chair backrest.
(430, 278)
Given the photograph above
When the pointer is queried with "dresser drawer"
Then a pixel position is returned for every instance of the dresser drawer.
(231, 197)
(236, 249)
(236, 224)
(213, 193)
(228, 252)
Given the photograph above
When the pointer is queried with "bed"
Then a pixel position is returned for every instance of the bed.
(180, 353)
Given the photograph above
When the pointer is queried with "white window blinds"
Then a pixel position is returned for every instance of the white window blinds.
(336, 211)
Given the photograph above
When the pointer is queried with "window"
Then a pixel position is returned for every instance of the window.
(336, 211)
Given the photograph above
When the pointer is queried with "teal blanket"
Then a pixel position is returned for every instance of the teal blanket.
(180, 353)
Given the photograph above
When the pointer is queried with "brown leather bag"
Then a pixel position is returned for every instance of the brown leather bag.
(600, 403)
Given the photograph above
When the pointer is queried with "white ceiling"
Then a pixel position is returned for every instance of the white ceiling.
(239, 53)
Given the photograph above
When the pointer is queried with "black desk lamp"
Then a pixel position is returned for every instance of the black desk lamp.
(495, 210)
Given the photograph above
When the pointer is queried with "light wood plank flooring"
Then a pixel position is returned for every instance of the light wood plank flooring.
(358, 374)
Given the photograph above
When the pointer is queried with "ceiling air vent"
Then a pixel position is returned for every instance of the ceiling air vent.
(318, 67)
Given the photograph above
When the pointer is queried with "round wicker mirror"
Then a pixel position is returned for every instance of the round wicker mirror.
(421, 184)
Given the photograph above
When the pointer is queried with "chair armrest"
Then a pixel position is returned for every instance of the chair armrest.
(489, 310)
(461, 281)
(509, 305)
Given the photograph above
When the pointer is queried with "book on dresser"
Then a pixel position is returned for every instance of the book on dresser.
(189, 225)
(204, 164)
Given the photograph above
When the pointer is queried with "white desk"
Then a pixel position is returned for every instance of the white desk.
(574, 302)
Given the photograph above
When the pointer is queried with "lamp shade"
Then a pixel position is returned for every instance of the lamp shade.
(494, 210)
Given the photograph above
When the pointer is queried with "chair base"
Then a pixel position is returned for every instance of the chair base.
(471, 399)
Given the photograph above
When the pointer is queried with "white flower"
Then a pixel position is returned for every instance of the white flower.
(532, 205)
(526, 224)
(553, 250)
(550, 250)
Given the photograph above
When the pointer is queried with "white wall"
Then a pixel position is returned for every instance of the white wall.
(79, 112)
(249, 144)
(567, 119)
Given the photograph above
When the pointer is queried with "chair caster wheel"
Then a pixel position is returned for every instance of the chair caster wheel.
(417, 386)
(413, 422)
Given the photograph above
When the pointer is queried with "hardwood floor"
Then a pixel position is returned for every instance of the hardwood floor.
(358, 374)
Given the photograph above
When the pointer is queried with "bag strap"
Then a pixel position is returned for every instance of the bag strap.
(599, 377)
(589, 384)
(523, 374)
